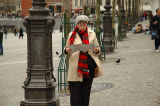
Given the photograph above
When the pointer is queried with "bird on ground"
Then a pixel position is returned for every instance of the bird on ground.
(118, 61)
(57, 53)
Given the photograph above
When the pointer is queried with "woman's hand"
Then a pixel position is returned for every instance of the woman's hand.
(155, 22)
(80, 75)
(96, 50)
(68, 50)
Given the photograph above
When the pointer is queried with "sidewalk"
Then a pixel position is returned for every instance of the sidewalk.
(136, 78)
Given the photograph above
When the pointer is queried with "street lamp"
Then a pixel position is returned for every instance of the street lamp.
(40, 84)
(133, 17)
(129, 15)
(107, 25)
(134, 12)
(123, 20)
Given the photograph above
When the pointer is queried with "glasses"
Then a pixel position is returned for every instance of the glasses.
(82, 23)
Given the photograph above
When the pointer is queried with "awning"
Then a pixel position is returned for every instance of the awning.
(78, 10)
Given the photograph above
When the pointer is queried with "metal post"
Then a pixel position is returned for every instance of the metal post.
(134, 12)
(123, 20)
(120, 37)
(133, 17)
(107, 25)
(129, 15)
(40, 83)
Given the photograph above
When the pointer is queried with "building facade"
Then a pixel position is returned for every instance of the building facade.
(56, 6)
(87, 5)
(10, 6)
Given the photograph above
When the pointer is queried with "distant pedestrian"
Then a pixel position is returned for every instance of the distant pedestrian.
(1, 41)
(155, 29)
(53, 29)
(15, 31)
(5, 33)
(145, 16)
(61, 28)
(21, 33)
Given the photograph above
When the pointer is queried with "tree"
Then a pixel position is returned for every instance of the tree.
(67, 15)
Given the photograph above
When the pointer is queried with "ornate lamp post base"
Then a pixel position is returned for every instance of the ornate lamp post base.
(39, 85)
(40, 97)
(107, 25)
(108, 46)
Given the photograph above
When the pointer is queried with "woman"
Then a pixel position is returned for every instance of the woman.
(155, 26)
(83, 66)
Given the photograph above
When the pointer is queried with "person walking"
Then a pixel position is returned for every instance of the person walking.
(21, 33)
(1, 41)
(6, 33)
(61, 28)
(83, 66)
(155, 28)
(15, 31)
(145, 16)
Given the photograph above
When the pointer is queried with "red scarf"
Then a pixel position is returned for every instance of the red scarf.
(82, 63)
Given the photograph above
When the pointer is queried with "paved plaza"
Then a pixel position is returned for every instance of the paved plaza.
(136, 78)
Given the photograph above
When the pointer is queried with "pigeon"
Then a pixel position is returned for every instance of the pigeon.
(118, 61)
(57, 53)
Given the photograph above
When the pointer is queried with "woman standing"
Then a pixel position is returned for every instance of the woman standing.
(155, 26)
(83, 66)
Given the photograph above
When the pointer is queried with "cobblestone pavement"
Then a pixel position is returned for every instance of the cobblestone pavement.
(136, 78)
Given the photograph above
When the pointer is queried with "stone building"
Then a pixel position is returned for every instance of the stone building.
(10, 6)
(56, 6)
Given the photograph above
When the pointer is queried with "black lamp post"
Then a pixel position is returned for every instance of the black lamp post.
(107, 25)
(123, 20)
(40, 84)
(133, 17)
(134, 12)
(129, 15)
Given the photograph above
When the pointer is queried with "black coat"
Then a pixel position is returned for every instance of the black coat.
(155, 26)
(1, 37)
(21, 32)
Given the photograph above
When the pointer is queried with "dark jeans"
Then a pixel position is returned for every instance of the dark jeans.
(157, 44)
(1, 49)
(80, 91)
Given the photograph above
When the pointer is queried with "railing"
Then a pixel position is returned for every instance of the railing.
(63, 64)
(62, 74)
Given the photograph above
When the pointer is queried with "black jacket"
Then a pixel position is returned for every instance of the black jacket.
(155, 26)
(1, 37)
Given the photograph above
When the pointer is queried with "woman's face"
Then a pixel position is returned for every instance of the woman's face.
(82, 25)
(158, 12)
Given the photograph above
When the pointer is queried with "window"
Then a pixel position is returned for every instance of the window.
(80, 2)
(93, 1)
(76, 2)
(87, 2)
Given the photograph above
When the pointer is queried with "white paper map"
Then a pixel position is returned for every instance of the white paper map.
(82, 47)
